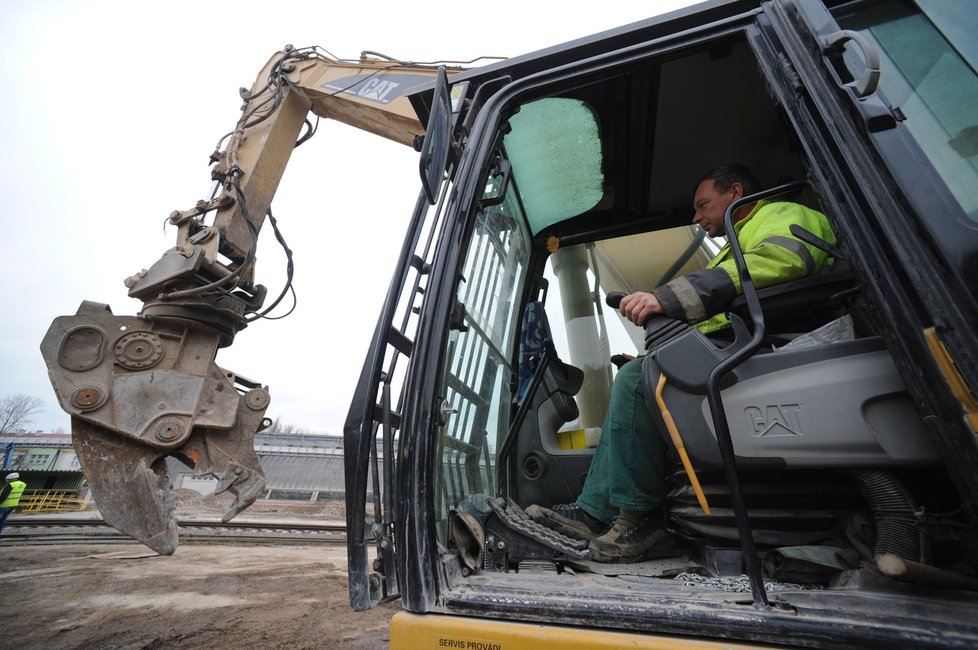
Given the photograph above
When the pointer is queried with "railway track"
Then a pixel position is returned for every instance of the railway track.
(192, 531)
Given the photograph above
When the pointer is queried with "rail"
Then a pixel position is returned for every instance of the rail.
(30, 530)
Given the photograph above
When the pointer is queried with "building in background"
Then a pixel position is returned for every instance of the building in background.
(303, 467)
(45, 461)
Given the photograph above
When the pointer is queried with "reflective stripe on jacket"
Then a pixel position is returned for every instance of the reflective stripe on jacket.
(13, 497)
(772, 253)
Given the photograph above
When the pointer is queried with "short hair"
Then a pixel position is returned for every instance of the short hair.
(725, 176)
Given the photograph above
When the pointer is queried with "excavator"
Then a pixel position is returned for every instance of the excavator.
(822, 484)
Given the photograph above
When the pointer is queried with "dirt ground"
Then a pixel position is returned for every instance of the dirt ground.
(204, 596)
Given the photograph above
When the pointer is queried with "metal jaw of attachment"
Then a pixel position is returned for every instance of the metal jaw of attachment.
(139, 390)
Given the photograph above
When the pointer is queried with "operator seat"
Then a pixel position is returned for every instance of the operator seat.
(839, 404)
(815, 432)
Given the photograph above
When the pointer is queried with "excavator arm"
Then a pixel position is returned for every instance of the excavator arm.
(141, 388)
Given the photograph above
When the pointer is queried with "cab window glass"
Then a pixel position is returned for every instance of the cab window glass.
(555, 149)
(928, 57)
(479, 368)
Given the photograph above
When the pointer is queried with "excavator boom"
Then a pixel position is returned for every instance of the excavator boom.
(141, 388)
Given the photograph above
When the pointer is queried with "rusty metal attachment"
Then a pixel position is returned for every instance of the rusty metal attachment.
(141, 389)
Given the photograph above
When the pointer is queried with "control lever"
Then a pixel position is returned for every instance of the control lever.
(658, 329)
(614, 299)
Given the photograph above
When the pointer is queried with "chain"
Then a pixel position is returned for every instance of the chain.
(738, 584)
(515, 518)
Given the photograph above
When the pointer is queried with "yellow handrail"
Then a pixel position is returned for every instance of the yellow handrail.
(677, 441)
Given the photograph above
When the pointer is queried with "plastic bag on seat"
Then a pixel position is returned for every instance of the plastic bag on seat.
(841, 329)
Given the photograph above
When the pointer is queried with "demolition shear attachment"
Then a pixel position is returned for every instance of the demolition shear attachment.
(140, 390)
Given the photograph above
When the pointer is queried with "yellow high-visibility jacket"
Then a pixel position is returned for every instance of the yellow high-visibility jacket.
(773, 256)
(13, 497)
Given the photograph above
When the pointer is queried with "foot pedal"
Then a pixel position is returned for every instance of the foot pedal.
(515, 518)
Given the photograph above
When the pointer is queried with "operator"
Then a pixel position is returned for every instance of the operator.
(619, 510)
(10, 496)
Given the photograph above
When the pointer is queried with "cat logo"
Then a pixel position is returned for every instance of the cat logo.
(380, 88)
(773, 420)
(377, 89)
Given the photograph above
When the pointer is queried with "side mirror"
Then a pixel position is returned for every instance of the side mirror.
(437, 138)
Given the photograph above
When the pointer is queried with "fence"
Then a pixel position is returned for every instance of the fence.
(51, 501)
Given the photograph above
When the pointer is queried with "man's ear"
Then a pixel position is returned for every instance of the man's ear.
(738, 190)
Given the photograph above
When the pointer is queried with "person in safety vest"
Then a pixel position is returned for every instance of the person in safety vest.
(10, 496)
(619, 510)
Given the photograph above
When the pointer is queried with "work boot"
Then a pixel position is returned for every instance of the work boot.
(634, 537)
(568, 519)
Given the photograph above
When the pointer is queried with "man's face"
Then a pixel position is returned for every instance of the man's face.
(709, 206)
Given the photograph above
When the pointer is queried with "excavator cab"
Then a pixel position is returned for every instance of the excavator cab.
(823, 440)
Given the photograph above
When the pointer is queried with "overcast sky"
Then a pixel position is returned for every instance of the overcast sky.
(110, 112)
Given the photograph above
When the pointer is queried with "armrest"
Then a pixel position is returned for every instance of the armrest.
(811, 294)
